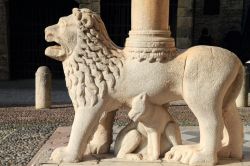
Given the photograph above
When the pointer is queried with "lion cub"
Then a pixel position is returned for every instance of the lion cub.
(150, 136)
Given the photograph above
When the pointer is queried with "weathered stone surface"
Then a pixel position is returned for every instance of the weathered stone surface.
(184, 12)
(183, 42)
(153, 122)
(185, 3)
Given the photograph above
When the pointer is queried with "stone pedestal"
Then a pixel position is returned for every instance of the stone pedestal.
(43, 88)
(61, 135)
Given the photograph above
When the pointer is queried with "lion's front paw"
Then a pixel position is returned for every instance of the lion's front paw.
(61, 154)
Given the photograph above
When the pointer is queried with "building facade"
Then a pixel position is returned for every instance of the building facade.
(22, 40)
(227, 18)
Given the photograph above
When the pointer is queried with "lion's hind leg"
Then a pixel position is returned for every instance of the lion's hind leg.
(127, 144)
(204, 93)
(102, 138)
(233, 131)
(211, 124)
(233, 134)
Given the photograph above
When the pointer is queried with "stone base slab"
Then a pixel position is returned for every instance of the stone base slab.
(60, 138)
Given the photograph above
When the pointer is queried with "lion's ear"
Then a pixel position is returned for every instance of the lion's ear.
(77, 13)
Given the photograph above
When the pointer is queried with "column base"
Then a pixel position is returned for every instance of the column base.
(151, 45)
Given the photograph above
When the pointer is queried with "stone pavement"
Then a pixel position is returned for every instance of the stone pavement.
(24, 130)
(190, 135)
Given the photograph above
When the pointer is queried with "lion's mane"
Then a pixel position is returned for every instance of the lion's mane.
(95, 64)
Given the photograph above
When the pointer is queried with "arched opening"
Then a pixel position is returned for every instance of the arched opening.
(27, 21)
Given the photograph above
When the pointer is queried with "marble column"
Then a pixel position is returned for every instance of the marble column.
(150, 14)
(150, 35)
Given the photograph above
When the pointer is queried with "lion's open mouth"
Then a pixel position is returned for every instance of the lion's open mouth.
(56, 51)
(55, 45)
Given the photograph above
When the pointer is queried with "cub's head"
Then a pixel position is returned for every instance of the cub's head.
(65, 33)
(140, 108)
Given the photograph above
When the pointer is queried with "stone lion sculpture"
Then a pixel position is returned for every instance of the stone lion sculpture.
(150, 136)
(101, 77)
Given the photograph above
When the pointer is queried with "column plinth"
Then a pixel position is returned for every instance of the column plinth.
(150, 35)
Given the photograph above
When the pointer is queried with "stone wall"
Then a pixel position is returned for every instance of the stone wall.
(91, 4)
(247, 2)
(4, 65)
(229, 19)
(184, 24)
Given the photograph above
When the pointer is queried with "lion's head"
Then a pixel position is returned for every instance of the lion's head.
(91, 61)
(64, 35)
(72, 30)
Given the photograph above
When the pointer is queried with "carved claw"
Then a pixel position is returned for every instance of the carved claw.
(61, 154)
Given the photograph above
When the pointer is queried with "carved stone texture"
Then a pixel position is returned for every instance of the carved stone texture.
(43, 88)
(150, 36)
(102, 77)
(150, 136)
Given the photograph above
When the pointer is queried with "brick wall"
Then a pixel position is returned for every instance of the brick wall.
(218, 25)
(4, 66)
(184, 24)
